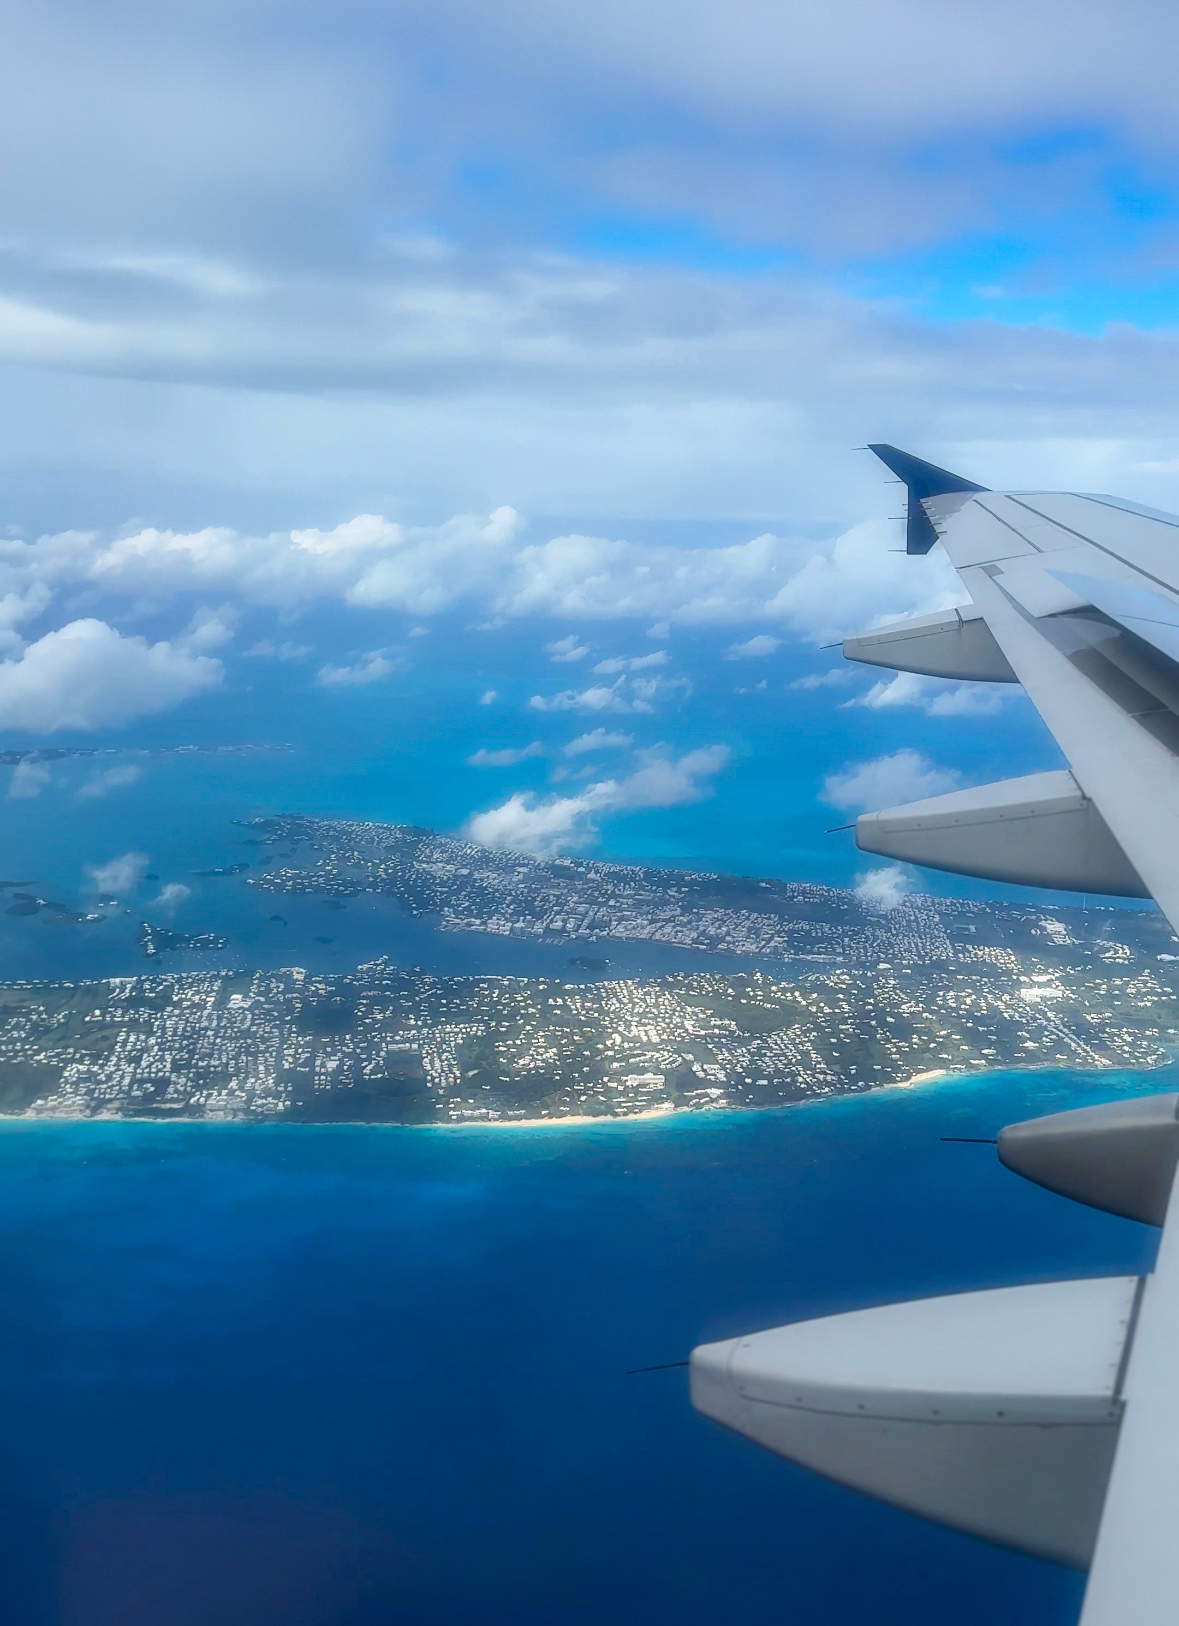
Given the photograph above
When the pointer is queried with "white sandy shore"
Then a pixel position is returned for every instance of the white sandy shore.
(576, 1119)
(937, 1072)
(591, 1120)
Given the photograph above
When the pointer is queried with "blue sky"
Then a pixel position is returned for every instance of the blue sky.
(322, 324)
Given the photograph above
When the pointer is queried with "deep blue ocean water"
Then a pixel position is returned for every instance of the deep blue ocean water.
(349, 1376)
(376, 1377)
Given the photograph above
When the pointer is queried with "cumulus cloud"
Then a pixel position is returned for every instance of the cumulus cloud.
(755, 648)
(526, 824)
(368, 669)
(812, 589)
(883, 889)
(664, 782)
(834, 679)
(504, 759)
(169, 899)
(28, 779)
(632, 663)
(625, 694)
(887, 781)
(17, 606)
(88, 676)
(598, 739)
(489, 697)
(103, 780)
(648, 690)
(266, 649)
(934, 696)
(546, 825)
(119, 876)
(209, 629)
(567, 649)
(599, 697)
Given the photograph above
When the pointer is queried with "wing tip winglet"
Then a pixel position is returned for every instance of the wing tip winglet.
(921, 480)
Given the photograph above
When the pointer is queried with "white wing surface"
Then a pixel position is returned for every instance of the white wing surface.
(1081, 595)
(1076, 597)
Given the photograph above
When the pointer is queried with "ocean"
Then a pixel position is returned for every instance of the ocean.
(349, 1376)
(344, 1376)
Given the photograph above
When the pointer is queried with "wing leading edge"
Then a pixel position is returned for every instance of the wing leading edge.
(1076, 597)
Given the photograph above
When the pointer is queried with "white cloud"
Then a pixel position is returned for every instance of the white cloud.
(524, 824)
(662, 782)
(527, 823)
(120, 876)
(812, 589)
(28, 779)
(418, 632)
(368, 669)
(599, 697)
(883, 889)
(209, 629)
(577, 385)
(934, 696)
(646, 690)
(87, 676)
(504, 759)
(169, 899)
(850, 92)
(754, 648)
(567, 649)
(835, 678)
(266, 649)
(623, 695)
(888, 781)
(268, 367)
(633, 663)
(103, 780)
(598, 739)
(489, 697)
(17, 606)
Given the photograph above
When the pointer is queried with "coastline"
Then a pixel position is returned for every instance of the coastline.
(918, 1082)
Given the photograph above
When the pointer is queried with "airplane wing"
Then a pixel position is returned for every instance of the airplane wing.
(1079, 597)
(1044, 1418)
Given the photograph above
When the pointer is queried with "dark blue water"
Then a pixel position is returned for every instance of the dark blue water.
(364, 1376)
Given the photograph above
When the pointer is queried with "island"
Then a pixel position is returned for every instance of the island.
(826, 994)
(155, 940)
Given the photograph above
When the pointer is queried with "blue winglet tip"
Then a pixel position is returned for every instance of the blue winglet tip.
(921, 480)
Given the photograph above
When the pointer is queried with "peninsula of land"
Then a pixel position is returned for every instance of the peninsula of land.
(849, 998)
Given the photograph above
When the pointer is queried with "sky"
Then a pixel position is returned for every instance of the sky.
(325, 331)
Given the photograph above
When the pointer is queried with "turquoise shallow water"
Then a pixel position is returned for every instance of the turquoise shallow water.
(354, 1376)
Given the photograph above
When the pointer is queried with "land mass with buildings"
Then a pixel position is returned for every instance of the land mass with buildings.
(845, 996)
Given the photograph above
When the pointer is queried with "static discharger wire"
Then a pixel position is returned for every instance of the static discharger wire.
(972, 1140)
(664, 1366)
